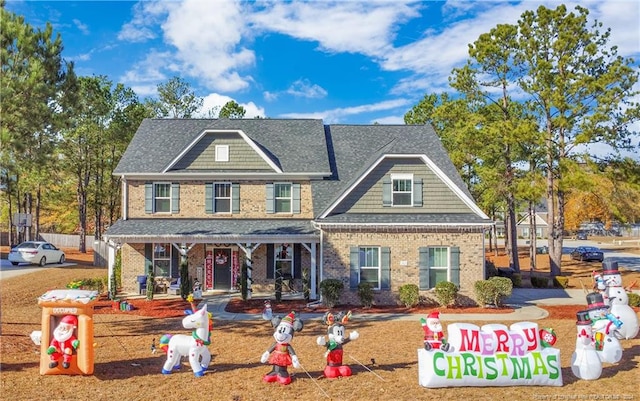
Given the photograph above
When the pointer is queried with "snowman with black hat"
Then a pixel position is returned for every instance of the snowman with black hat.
(619, 301)
(603, 325)
(585, 362)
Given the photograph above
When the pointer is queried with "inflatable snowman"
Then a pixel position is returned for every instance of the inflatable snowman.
(585, 362)
(603, 325)
(619, 302)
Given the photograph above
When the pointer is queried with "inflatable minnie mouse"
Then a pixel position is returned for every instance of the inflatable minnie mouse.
(281, 354)
(336, 333)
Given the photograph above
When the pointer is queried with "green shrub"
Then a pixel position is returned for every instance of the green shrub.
(331, 289)
(561, 282)
(409, 295)
(539, 282)
(492, 291)
(446, 293)
(516, 279)
(504, 288)
(634, 299)
(365, 293)
(93, 284)
(483, 291)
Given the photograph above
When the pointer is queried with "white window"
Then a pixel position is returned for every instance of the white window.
(162, 260)
(284, 257)
(222, 153)
(283, 197)
(162, 197)
(222, 197)
(370, 266)
(438, 265)
(402, 189)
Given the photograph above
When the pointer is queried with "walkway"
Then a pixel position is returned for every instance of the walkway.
(524, 300)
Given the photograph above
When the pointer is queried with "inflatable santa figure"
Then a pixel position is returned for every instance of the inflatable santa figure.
(64, 342)
(604, 325)
(619, 302)
(585, 362)
(433, 334)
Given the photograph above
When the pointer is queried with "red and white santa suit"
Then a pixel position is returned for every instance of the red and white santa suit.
(64, 342)
(433, 334)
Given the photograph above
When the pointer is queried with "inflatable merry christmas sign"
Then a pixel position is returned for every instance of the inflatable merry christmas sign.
(492, 355)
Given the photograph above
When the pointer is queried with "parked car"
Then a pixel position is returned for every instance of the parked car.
(36, 252)
(584, 253)
(582, 235)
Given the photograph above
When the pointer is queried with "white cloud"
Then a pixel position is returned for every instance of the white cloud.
(304, 88)
(84, 28)
(335, 115)
(215, 101)
(338, 26)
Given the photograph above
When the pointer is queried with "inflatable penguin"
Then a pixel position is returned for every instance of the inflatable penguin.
(337, 338)
(619, 302)
(281, 354)
(585, 362)
(604, 325)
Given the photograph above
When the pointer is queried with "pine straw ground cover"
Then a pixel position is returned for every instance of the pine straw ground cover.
(383, 359)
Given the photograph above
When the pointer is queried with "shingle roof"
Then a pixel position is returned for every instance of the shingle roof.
(298, 146)
(194, 230)
(353, 148)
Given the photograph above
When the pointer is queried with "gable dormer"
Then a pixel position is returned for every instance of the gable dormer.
(221, 150)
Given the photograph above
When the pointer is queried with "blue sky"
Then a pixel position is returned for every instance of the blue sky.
(344, 61)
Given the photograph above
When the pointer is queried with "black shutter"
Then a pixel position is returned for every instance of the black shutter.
(297, 263)
(148, 257)
(270, 262)
(174, 269)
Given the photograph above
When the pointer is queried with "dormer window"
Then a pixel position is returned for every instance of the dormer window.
(222, 153)
(402, 189)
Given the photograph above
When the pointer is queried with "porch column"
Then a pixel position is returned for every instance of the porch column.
(314, 270)
(248, 251)
(111, 261)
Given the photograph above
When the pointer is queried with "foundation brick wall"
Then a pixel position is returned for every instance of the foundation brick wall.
(404, 248)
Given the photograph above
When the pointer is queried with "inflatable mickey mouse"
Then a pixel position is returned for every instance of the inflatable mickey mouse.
(337, 339)
(281, 354)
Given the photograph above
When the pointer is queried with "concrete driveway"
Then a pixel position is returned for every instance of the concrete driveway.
(8, 270)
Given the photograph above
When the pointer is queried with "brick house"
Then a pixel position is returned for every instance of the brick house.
(360, 203)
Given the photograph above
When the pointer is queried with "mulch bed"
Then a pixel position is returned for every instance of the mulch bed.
(237, 305)
(159, 308)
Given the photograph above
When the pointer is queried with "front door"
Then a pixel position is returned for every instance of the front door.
(221, 268)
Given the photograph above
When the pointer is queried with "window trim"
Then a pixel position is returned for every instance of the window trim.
(156, 197)
(167, 258)
(362, 252)
(276, 198)
(215, 197)
(277, 257)
(402, 177)
(222, 153)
